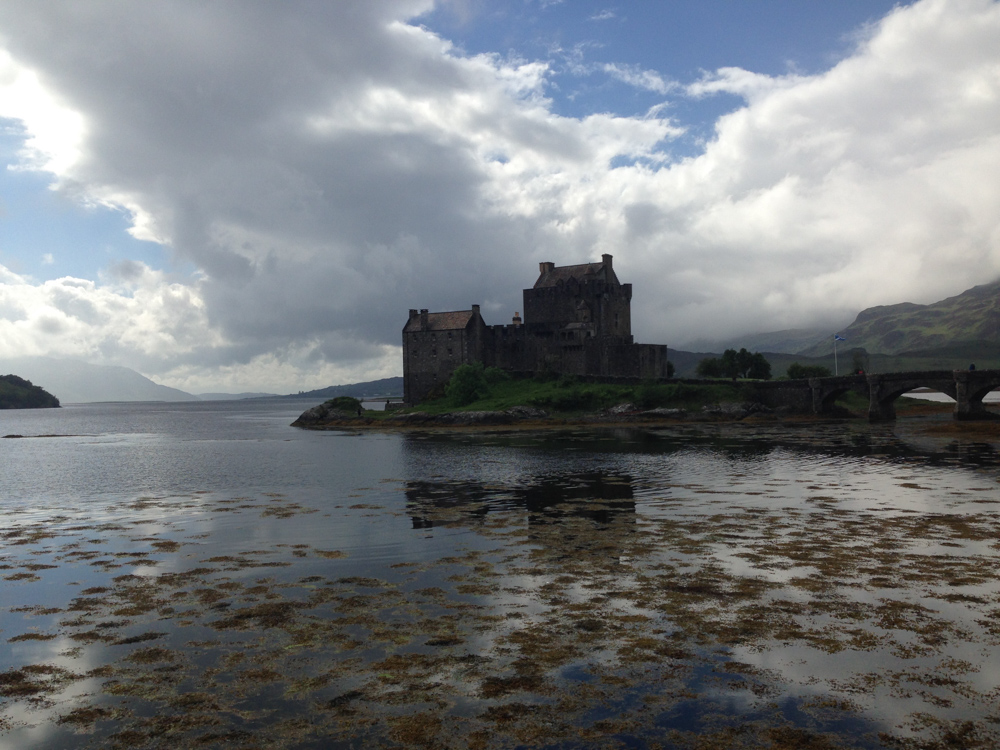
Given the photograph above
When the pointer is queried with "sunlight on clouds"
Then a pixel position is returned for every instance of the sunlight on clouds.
(56, 132)
(284, 371)
(146, 315)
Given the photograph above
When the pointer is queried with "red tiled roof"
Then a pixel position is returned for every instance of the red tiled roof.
(442, 321)
(583, 272)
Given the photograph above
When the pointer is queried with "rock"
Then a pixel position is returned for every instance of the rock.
(323, 414)
(622, 409)
(663, 412)
(736, 410)
(526, 412)
(475, 418)
(416, 417)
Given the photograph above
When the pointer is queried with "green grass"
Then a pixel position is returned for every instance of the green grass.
(569, 396)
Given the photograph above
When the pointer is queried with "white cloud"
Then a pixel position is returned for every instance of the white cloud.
(633, 75)
(359, 166)
(48, 259)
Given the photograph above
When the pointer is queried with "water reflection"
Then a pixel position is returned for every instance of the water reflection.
(692, 586)
(596, 496)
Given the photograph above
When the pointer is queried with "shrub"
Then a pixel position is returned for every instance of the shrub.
(344, 403)
(648, 395)
(468, 383)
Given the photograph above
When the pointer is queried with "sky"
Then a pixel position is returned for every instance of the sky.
(237, 196)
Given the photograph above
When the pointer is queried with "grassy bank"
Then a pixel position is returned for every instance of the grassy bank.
(569, 396)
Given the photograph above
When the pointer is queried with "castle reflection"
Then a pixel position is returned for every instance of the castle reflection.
(552, 505)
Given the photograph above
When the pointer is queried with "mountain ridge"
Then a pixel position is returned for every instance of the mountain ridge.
(906, 327)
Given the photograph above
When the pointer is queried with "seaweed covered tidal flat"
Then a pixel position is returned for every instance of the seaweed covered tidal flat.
(725, 585)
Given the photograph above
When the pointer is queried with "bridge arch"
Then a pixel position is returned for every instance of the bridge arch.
(825, 391)
(972, 386)
(967, 388)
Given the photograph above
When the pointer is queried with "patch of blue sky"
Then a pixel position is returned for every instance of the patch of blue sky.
(45, 234)
(626, 58)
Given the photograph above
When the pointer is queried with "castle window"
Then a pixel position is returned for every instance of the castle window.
(449, 351)
(434, 352)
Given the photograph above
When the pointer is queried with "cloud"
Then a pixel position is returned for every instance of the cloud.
(325, 167)
(649, 80)
(604, 15)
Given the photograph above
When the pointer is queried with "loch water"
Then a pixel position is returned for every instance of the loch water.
(204, 575)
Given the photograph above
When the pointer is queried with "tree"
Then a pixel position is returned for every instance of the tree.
(710, 367)
(759, 368)
(736, 364)
(797, 371)
(731, 365)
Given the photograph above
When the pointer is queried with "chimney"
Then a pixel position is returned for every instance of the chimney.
(475, 309)
(413, 314)
(517, 319)
(423, 319)
(546, 267)
(607, 260)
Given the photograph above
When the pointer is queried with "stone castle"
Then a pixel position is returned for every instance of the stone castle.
(577, 321)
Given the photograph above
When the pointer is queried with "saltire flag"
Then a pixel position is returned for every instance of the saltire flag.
(838, 338)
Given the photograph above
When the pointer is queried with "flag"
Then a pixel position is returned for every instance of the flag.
(838, 338)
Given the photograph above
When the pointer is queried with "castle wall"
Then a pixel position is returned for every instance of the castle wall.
(604, 307)
(430, 356)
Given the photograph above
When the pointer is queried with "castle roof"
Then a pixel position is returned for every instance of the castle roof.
(441, 321)
(553, 275)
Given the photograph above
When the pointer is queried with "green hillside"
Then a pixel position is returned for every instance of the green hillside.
(18, 393)
(969, 322)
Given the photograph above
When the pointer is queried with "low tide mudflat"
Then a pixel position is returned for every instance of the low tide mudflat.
(208, 577)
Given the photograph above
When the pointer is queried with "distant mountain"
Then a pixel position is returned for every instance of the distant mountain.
(369, 389)
(790, 341)
(73, 381)
(233, 396)
(970, 319)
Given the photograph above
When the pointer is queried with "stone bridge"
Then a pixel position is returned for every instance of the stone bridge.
(817, 395)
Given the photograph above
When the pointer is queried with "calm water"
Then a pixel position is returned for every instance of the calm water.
(205, 575)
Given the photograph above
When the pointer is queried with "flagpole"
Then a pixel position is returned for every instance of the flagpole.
(836, 367)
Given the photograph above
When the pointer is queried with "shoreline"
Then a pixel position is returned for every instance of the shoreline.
(524, 418)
